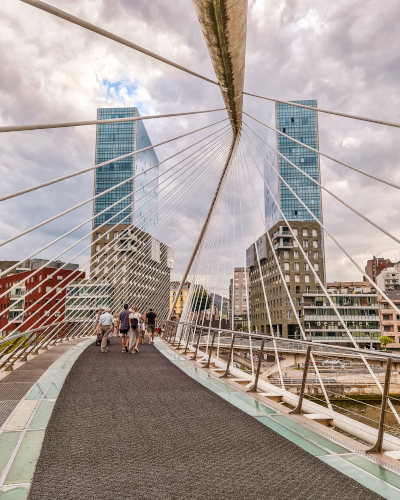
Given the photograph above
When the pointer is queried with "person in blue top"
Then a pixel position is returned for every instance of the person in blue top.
(124, 327)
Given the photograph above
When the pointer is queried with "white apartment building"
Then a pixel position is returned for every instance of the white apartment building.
(389, 278)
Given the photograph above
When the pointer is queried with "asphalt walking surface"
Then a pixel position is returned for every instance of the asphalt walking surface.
(134, 426)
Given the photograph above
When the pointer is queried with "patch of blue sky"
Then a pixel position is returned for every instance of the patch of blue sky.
(122, 93)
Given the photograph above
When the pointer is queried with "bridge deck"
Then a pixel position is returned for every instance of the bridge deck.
(137, 426)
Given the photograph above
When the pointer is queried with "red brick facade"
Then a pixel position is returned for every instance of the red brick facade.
(32, 302)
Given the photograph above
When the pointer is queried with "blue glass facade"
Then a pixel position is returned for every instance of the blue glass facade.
(117, 139)
(301, 124)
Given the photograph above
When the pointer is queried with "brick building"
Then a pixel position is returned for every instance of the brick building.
(390, 320)
(25, 305)
(375, 266)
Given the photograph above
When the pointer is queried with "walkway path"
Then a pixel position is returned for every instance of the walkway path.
(14, 385)
(136, 426)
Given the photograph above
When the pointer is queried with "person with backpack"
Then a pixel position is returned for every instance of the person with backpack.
(124, 327)
(134, 330)
(151, 319)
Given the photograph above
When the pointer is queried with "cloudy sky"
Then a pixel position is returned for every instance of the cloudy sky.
(344, 54)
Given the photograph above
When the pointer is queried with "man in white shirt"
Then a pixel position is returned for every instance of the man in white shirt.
(106, 320)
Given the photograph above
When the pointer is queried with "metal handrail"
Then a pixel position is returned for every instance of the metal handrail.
(259, 336)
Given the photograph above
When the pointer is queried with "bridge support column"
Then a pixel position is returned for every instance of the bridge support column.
(225, 375)
(297, 410)
(197, 347)
(207, 365)
(254, 388)
(377, 448)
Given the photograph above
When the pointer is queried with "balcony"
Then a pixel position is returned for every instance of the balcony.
(18, 292)
(128, 236)
(323, 339)
(283, 244)
(282, 232)
(13, 317)
(329, 317)
(127, 246)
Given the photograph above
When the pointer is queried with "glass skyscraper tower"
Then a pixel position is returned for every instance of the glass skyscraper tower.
(117, 139)
(301, 124)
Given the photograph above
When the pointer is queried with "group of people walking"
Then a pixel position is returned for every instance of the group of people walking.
(129, 324)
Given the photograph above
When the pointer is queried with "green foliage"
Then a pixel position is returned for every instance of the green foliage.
(202, 301)
(384, 340)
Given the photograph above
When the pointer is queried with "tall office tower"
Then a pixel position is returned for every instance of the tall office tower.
(301, 124)
(125, 250)
(114, 140)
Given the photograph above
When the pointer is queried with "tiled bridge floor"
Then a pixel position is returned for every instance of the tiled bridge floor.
(137, 426)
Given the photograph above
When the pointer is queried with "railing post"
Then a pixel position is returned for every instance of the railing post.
(180, 339)
(297, 410)
(197, 346)
(188, 339)
(225, 375)
(174, 328)
(254, 388)
(207, 365)
(377, 448)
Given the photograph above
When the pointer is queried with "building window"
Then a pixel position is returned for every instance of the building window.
(295, 232)
(316, 267)
(386, 317)
(305, 243)
(285, 254)
(298, 301)
(296, 254)
(287, 278)
(297, 278)
(299, 313)
(48, 289)
(307, 289)
(315, 255)
(387, 328)
(97, 236)
(306, 268)
(107, 236)
(287, 302)
(97, 248)
(385, 305)
(286, 266)
(298, 289)
(288, 314)
(307, 278)
(115, 235)
(305, 232)
(314, 233)
(59, 278)
(296, 266)
(315, 244)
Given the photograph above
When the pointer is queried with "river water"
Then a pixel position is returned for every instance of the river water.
(368, 412)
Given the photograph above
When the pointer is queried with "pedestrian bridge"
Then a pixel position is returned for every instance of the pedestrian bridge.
(179, 419)
(76, 423)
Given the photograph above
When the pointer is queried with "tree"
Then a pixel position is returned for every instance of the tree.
(384, 340)
(202, 301)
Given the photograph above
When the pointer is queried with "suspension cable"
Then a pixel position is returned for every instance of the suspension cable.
(91, 27)
(345, 115)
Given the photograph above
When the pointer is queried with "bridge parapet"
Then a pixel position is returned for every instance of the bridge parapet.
(365, 371)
